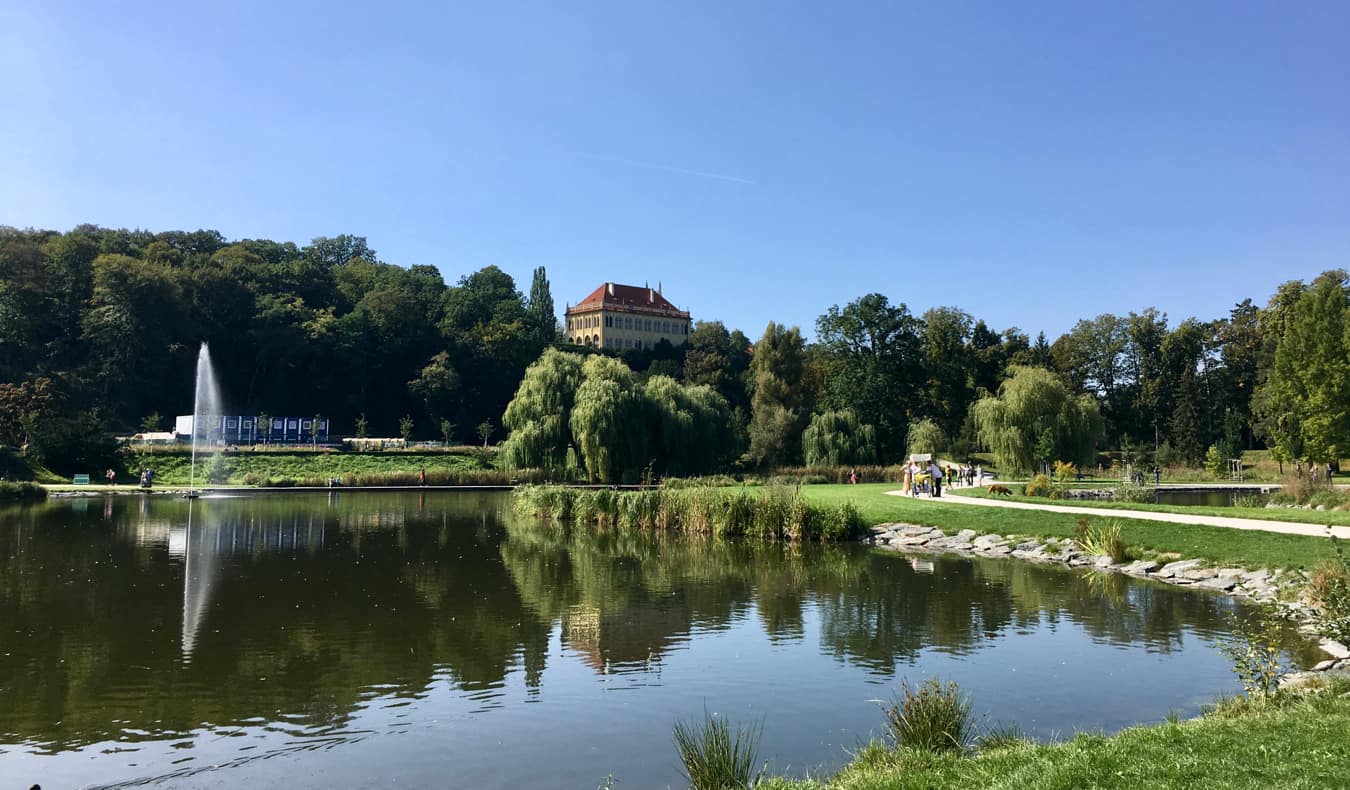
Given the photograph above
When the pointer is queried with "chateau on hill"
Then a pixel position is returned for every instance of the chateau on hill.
(624, 316)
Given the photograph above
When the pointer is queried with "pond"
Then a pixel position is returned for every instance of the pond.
(1212, 497)
(366, 639)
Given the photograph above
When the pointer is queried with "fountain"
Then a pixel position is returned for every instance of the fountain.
(205, 404)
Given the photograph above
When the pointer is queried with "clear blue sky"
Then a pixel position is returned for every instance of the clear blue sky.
(1031, 162)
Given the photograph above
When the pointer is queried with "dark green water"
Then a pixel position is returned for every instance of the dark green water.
(434, 640)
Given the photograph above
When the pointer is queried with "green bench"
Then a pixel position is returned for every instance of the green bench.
(80, 480)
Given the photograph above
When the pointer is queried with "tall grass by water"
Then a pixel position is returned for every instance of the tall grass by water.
(715, 757)
(22, 492)
(773, 513)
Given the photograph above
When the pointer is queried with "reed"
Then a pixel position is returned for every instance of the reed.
(935, 717)
(715, 757)
(774, 513)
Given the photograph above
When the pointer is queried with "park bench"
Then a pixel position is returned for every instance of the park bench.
(80, 480)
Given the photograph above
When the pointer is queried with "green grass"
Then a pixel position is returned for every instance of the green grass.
(1248, 548)
(300, 467)
(1340, 518)
(1296, 743)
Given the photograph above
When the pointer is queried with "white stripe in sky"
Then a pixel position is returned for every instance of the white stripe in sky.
(668, 168)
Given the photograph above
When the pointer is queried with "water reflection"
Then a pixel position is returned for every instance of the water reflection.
(330, 619)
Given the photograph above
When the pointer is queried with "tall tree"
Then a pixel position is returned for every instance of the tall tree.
(1035, 419)
(778, 410)
(540, 305)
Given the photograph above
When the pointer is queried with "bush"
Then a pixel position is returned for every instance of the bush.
(1254, 649)
(22, 492)
(1039, 486)
(1132, 492)
(1065, 471)
(1329, 589)
(935, 717)
(714, 757)
(1215, 462)
(1328, 499)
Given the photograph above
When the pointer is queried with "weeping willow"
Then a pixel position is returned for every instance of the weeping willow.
(1035, 420)
(837, 438)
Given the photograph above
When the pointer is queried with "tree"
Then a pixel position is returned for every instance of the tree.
(872, 365)
(485, 429)
(315, 422)
(1311, 372)
(837, 438)
(264, 423)
(447, 430)
(540, 307)
(718, 358)
(1034, 418)
(437, 384)
(539, 417)
(926, 436)
(151, 422)
(405, 428)
(778, 410)
(609, 421)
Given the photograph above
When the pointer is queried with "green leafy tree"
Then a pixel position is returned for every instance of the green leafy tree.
(1310, 377)
(405, 428)
(926, 436)
(151, 422)
(485, 429)
(1034, 418)
(540, 306)
(609, 421)
(778, 410)
(539, 417)
(837, 438)
(447, 430)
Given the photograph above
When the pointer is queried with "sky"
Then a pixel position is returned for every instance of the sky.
(1032, 163)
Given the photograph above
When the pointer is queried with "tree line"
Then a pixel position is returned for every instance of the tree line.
(99, 331)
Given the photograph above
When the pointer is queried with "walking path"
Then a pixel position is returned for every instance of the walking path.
(1282, 527)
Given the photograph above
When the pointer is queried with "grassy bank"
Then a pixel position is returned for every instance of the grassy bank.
(772, 513)
(1340, 518)
(272, 468)
(1220, 546)
(22, 492)
(1294, 741)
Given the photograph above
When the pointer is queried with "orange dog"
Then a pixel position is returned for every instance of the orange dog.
(998, 489)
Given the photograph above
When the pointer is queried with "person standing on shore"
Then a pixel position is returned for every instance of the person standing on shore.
(935, 472)
(422, 476)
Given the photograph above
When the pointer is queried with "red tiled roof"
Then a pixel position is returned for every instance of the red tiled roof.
(628, 298)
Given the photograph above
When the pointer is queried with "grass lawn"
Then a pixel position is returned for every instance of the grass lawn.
(1340, 518)
(1220, 546)
(1301, 743)
(172, 469)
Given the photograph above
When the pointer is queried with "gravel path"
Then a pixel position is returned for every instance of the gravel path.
(1283, 527)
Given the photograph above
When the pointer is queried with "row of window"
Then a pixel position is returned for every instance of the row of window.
(612, 342)
(628, 322)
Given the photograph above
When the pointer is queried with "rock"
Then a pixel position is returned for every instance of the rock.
(1175, 568)
(1029, 545)
(1141, 567)
(999, 550)
(1216, 583)
(1080, 560)
(1200, 574)
(910, 530)
(988, 541)
(1322, 666)
(1231, 573)
(966, 535)
(1334, 649)
(1102, 560)
(1257, 575)
(910, 540)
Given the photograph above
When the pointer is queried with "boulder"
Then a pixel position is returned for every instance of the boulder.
(1217, 583)
(1200, 574)
(988, 541)
(966, 535)
(1141, 567)
(1334, 649)
(1176, 568)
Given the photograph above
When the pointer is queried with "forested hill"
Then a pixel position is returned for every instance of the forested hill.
(114, 319)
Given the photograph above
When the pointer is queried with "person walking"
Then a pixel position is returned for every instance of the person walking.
(935, 472)
(853, 477)
(111, 477)
(422, 476)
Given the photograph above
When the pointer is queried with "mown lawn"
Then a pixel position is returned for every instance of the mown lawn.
(1224, 547)
(1300, 744)
(172, 469)
(1340, 518)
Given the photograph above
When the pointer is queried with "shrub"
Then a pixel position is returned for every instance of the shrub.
(1327, 499)
(1039, 486)
(22, 492)
(1329, 588)
(1248, 500)
(1065, 471)
(254, 479)
(935, 717)
(1254, 649)
(1215, 463)
(715, 757)
(1132, 492)
(1007, 736)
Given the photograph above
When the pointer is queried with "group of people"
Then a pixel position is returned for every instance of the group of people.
(147, 477)
(928, 480)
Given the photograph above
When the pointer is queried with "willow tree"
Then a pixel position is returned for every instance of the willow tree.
(610, 421)
(693, 429)
(1034, 420)
(926, 436)
(838, 438)
(539, 417)
(778, 409)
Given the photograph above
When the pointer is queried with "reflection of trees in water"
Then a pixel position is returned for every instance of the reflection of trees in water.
(386, 594)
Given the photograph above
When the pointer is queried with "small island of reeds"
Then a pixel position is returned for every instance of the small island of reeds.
(771, 513)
